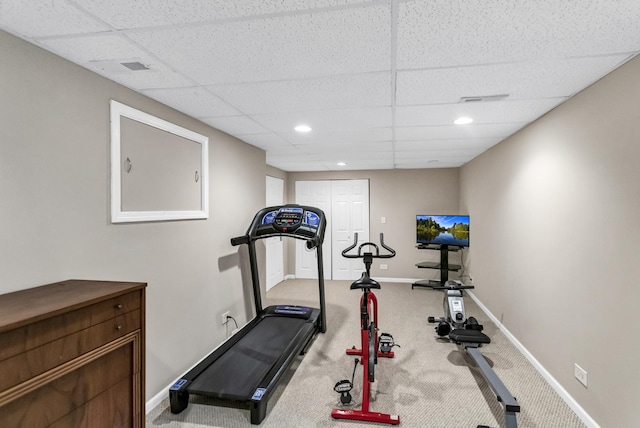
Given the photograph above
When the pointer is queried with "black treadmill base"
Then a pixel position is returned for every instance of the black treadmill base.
(248, 368)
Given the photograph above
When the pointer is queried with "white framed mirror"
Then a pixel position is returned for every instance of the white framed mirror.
(159, 170)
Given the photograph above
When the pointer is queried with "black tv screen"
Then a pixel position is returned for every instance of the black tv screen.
(443, 230)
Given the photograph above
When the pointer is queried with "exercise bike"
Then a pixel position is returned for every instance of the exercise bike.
(372, 345)
(467, 333)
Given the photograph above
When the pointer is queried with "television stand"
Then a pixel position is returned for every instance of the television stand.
(444, 266)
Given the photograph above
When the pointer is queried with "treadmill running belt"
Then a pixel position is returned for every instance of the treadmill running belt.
(238, 371)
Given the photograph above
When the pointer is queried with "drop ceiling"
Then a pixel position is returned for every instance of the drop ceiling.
(379, 82)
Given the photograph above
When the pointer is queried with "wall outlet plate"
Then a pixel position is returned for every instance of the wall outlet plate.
(580, 374)
(224, 318)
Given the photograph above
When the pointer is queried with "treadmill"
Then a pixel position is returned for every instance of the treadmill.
(249, 365)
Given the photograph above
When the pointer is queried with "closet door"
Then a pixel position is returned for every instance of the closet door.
(346, 205)
(350, 213)
(314, 194)
(274, 246)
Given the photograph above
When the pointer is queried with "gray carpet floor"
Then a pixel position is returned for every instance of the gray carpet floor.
(429, 383)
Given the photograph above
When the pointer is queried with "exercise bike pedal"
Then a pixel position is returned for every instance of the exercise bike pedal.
(386, 343)
(344, 387)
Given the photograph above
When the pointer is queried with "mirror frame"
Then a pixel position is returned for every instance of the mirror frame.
(118, 110)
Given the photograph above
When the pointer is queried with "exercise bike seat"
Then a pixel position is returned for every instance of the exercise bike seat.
(365, 281)
(461, 336)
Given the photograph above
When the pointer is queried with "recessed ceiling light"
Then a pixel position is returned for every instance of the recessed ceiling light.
(303, 128)
(342, 164)
(463, 120)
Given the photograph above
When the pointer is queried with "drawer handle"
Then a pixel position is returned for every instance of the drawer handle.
(118, 306)
(118, 327)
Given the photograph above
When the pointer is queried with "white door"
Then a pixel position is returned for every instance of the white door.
(346, 205)
(314, 194)
(274, 246)
(350, 214)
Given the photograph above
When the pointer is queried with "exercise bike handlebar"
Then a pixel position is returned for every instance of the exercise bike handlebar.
(377, 254)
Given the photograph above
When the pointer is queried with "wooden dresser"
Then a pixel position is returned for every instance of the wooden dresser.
(72, 355)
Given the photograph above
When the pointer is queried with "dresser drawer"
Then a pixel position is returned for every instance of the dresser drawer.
(35, 361)
(61, 399)
(34, 335)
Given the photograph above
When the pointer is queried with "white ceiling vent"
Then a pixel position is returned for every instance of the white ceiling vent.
(135, 66)
(123, 65)
(483, 98)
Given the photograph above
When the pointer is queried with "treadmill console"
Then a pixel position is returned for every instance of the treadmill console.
(285, 219)
(296, 221)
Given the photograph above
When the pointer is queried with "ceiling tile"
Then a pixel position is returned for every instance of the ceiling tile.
(358, 149)
(283, 47)
(408, 157)
(195, 101)
(125, 14)
(481, 112)
(352, 136)
(104, 54)
(331, 92)
(46, 18)
(327, 120)
(425, 164)
(458, 32)
(235, 125)
(522, 80)
(453, 132)
(462, 144)
(267, 141)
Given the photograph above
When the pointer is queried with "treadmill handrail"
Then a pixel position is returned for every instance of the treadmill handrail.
(245, 239)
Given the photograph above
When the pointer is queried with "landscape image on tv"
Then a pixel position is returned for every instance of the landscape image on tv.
(443, 229)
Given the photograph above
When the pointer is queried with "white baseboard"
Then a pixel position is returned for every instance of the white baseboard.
(566, 397)
(157, 399)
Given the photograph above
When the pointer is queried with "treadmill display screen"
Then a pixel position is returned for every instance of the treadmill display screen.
(311, 219)
(269, 217)
(287, 220)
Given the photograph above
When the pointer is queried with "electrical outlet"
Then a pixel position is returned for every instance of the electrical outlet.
(580, 374)
(383, 266)
(224, 318)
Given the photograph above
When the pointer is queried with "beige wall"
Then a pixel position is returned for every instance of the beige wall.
(397, 195)
(54, 208)
(555, 242)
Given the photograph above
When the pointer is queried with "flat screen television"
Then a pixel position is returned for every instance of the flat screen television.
(442, 229)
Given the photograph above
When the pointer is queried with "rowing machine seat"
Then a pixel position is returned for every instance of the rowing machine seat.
(461, 336)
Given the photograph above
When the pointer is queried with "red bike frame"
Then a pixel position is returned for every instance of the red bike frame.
(365, 414)
(372, 303)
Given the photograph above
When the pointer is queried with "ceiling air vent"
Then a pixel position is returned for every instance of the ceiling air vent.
(483, 98)
(135, 66)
